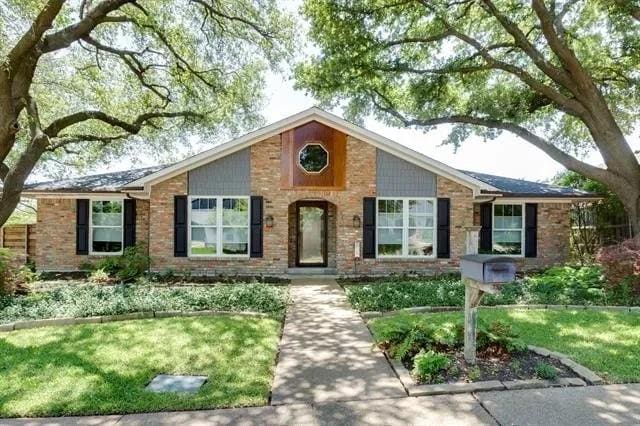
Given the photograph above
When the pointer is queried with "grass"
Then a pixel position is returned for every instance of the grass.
(606, 342)
(104, 368)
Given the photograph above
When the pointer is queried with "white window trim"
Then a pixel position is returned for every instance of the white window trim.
(299, 159)
(105, 253)
(522, 231)
(405, 228)
(219, 227)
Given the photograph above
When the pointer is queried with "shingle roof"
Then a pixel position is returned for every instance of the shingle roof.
(105, 182)
(512, 187)
(111, 182)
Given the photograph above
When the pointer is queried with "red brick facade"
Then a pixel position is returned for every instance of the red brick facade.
(56, 223)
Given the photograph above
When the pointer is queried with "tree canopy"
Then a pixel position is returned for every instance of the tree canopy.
(561, 74)
(89, 80)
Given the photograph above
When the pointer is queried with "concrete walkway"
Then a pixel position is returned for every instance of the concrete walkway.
(326, 353)
(593, 405)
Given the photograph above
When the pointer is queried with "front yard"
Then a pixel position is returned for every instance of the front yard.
(606, 342)
(104, 368)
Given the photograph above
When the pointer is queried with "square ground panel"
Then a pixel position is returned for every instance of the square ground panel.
(180, 384)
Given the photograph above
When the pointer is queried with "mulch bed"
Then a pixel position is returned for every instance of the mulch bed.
(494, 363)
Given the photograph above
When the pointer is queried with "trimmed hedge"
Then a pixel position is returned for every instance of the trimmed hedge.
(78, 301)
(560, 285)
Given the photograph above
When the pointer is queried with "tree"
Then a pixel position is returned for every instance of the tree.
(562, 75)
(86, 80)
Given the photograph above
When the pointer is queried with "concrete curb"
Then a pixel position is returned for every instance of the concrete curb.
(426, 309)
(23, 325)
(582, 371)
(491, 385)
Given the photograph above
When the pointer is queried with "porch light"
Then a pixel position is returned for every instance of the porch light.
(268, 221)
(356, 221)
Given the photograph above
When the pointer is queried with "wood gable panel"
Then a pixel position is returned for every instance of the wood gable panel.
(333, 141)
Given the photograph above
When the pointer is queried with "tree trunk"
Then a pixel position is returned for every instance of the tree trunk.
(8, 204)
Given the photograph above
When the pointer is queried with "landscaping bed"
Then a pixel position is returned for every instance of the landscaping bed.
(558, 286)
(605, 342)
(77, 299)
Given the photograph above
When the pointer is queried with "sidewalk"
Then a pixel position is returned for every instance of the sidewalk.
(593, 405)
(326, 353)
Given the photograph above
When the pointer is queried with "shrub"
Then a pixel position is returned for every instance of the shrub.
(566, 285)
(546, 371)
(474, 374)
(6, 272)
(426, 365)
(99, 276)
(133, 263)
(621, 263)
(418, 337)
(499, 333)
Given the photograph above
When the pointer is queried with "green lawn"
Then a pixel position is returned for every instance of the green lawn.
(104, 368)
(606, 342)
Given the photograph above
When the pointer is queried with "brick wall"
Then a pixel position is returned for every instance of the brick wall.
(56, 223)
(56, 233)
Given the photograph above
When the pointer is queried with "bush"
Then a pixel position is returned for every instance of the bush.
(133, 263)
(546, 371)
(566, 285)
(501, 334)
(12, 278)
(427, 365)
(99, 276)
(621, 264)
(77, 301)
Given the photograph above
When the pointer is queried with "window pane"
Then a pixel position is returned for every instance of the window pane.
(421, 206)
(390, 242)
(203, 211)
(390, 213)
(235, 212)
(507, 242)
(508, 216)
(421, 221)
(235, 248)
(420, 242)
(106, 240)
(203, 240)
(235, 235)
(106, 213)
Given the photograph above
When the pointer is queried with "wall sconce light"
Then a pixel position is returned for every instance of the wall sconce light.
(268, 221)
(356, 221)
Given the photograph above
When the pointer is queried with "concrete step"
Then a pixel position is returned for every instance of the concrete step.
(312, 271)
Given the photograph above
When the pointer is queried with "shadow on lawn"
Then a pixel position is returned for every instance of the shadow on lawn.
(104, 368)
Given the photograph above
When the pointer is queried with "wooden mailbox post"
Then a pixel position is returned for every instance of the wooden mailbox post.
(481, 274)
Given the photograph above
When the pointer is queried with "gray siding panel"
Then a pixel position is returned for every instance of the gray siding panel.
(396, 177)
(230, 175)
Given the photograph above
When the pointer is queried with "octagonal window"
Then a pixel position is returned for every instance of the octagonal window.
(313, 158)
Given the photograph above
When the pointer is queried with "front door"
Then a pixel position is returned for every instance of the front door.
(312, 233)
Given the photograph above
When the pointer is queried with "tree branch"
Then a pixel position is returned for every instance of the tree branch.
(28, 41)
(634, 11)
(132, 127)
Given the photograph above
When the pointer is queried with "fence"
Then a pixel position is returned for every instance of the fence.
(21, 240)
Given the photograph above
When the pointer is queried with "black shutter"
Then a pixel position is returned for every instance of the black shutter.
(82, 227)
(180, 226)
(444, 228)
(129, 223)
(486, 225)
(257, 212)
(369, 228)
(531, 230)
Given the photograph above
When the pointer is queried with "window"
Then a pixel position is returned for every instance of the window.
(508, 229)
(106, 226)
(406, 227)
(313, 158)
(219, 226)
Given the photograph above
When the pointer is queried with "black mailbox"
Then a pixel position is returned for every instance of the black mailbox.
(489, 269)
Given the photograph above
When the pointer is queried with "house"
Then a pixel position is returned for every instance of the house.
(310, 191)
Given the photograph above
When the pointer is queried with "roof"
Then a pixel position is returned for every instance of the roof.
(523, 188)
(296, 120)
(141, 180)
(112, 182)
(105, 182)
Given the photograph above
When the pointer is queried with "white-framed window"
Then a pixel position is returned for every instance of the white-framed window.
(218, 226)
(508, 229)
(106, 218)
(406, 227)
